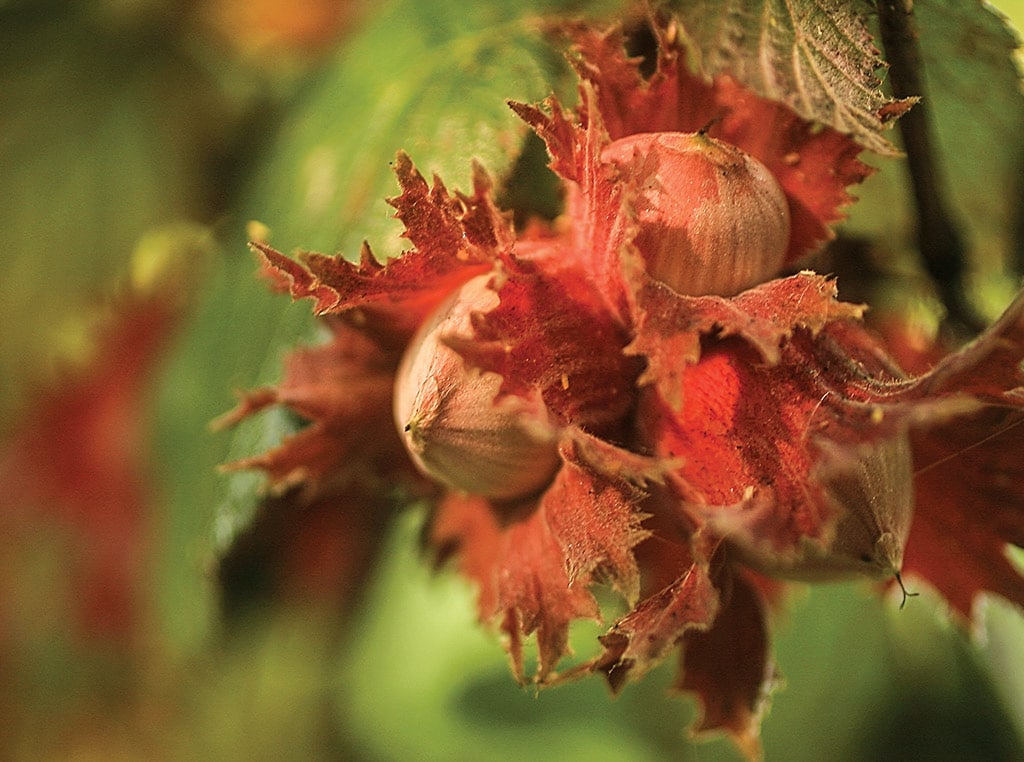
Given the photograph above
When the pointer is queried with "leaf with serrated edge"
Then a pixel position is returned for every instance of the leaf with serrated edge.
(440, 96)
(816, 56)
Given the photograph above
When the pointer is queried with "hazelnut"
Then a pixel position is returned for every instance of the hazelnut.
(711, 218)
(448, 417)
(876, 498)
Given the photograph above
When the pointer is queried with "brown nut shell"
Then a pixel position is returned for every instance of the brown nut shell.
(877, 502)
(711, 218)
(448, 418)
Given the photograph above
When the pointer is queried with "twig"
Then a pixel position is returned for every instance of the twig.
(938, 237)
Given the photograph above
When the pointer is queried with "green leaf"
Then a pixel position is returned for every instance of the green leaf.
(237, 335)
(975, 89)
(429, 78)
(816, 56)
(945, 703)
(1002, 648)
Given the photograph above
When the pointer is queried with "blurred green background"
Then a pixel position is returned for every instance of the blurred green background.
(138, 139)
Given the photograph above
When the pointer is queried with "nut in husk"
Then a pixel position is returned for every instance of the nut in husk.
(454, 427)
(711, 218)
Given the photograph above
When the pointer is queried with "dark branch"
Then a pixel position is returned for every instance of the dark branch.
(938, 237)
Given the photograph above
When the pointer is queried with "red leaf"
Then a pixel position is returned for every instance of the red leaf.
(813, 164)
(669, 326)
(715, 613)
(593, 510)
(969, 479)
(533, 339)
(456, 238)
(521, 573)
(729, 666)
(765, 447)
(970, 504)
(645, 635)
(534, 562)
(597, 205)
(440, 225)
(344, 390)
(776, 407)
(743, 438)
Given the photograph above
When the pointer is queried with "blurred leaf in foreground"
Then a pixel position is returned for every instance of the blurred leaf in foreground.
(105, 131)
(76, 479)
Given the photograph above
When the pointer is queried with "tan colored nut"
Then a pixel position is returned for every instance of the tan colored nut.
(712, 219)
(449, 420)
(876, 497)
